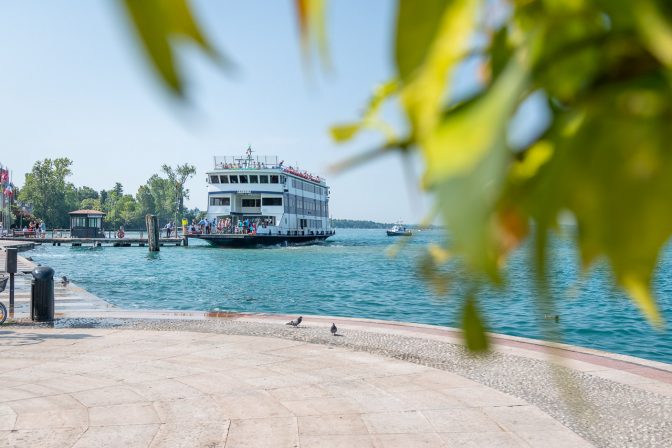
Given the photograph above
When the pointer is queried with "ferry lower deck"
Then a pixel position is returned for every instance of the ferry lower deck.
(246, 240)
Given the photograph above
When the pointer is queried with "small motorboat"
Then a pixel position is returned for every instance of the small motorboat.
(399, 230)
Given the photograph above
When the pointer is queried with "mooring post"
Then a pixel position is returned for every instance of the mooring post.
(152, 232)
(11, 266)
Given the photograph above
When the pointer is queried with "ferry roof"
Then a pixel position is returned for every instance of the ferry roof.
(261, 163)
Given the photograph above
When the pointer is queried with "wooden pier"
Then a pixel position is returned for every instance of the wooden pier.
(94, 242)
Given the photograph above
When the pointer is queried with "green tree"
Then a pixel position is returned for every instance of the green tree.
(47, 190)
(86, 193)
(177, 178)
(162, 193)
(90, 204)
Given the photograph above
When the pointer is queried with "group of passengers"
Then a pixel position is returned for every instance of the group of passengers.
(37, 228)
(227, 225)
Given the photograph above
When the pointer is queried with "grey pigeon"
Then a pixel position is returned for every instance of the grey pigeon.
(64, 281)
(333, 329)
(296, 322)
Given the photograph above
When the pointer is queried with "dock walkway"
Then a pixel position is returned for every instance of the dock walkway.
(115, 242)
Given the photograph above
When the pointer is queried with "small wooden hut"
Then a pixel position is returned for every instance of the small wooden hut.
(86, 224)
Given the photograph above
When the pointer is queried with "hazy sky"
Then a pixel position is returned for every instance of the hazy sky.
(74, 84)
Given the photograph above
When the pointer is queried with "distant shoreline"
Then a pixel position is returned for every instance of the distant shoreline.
(366, 224)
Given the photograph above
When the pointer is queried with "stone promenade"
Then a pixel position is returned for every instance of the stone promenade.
(250, 381)
(102, 376)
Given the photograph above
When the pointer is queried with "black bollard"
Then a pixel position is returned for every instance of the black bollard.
(42, 294)
(12, 268)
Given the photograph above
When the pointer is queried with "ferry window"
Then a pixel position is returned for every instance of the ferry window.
(220, 201)
(214, 179)
(243, 179)
(274, 179)
(251, 202)
(272, 201)
(234, 179)
(224, 179)
(263, 179)
(254, 179)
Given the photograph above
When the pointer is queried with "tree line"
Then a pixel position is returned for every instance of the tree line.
(50, 197)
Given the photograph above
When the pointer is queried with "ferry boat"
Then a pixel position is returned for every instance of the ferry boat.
(258, 200)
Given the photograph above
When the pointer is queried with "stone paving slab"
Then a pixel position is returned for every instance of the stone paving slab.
(92, 395)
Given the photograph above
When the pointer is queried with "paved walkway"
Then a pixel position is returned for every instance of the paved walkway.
(111, 387)
(110, 377)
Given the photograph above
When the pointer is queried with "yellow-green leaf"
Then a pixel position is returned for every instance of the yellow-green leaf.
(313, 28)
(641, 293)
(619, 164)
(466, 166)
(147, 16)
(157, 23)
(655, 29)
(417, 25)
(473, 328)
(424, 94)
(345, 132)
(465, 137)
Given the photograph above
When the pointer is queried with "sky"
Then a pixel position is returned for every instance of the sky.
(75, 83)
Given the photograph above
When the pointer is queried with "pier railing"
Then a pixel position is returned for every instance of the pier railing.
(109, 234)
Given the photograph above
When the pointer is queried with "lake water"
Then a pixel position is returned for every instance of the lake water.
(351, 275)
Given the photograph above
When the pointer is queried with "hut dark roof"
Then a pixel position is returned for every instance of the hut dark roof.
(87, 212)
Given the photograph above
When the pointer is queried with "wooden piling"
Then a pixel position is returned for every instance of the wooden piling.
(152, 232)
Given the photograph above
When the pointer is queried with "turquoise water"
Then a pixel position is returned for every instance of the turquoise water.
(352, 276)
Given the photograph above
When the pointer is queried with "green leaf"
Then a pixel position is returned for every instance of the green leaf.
(150, 24)
(417, 25)
(466, 166)
(157, 23)
(313, 28)
(618, 159)
(345, 132)
(655, 29)
(424, 93)
(473, 328)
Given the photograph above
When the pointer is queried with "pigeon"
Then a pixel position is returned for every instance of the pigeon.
(295, 323)
(29, 258)
(333, 329)
(64, 281)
